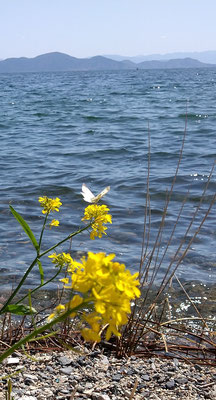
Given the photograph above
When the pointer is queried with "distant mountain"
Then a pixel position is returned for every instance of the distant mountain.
(63, 62)
(174, 63)
(59, 62)
(203, 56)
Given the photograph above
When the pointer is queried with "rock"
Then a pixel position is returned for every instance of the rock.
(12, 360)
(104, 363)
(181, 380)
(29, 381)
(30, 376)
(95, 353)
(198, 367)
(170, 384)
(141, 386)
(161, 379)
(49, 369)
(66, 370)
(156, 376)
(175, 362)
(81, 361)
(145, 378)
(116, 377)
(88, 385)
(64, 360)
(43, 376)
(145, 395)
(98, 396)
(28, 398)
(153, 366)
(64, 391)
(130, 371)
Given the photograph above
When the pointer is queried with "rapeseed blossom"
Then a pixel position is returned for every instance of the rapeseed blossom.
(54, 222)
(107, 287)
(99, 216)
(49, 204)
(63, 260)
(61, 308)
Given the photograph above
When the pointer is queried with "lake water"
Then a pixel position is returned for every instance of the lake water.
(59, 130)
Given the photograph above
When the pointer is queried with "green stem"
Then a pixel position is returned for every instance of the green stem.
(19, 285)
(64, 240)
(42, 231)
(40, 286)
(39, 330)
(34, 262)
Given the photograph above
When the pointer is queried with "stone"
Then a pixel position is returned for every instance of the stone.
(181, 380)
(66, 370)
(81, 361)
(170, 384)
(130, 371)
(12, 361)
(49, 369)
(28, 398)
(43, 376)
(64, 360)
(64, 391)
(198, 367)
(145, 378)
(161, 379)
(116, 377)
(176, 362)
(98, 396)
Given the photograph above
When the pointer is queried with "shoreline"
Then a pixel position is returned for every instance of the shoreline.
(98, 376)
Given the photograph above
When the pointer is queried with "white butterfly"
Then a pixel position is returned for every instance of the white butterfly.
(88, 195)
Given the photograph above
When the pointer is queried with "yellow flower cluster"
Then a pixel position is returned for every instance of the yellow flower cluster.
(107, 286)
(49, 204)
(64, 260)
(54, 222)
(99, 216)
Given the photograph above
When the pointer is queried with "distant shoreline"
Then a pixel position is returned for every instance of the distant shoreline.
(60, 62)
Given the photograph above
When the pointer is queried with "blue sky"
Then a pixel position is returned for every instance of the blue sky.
(85, 28)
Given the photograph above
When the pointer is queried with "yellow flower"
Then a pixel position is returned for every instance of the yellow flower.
(61, 260)
(54, 222)
(49, 204)
(108, 288)
(99, 216)
(60, 309)
(90, 335)
(74, 303)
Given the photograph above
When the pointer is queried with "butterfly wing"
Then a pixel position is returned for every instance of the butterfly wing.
(101, 194)
(87, 194)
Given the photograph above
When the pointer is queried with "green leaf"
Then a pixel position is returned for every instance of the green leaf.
(25, 227)
(20, 309)
(41, 271)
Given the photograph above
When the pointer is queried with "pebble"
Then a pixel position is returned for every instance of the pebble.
(170, 384)
(12, 360)
(145, 378)
(102, 397)
(96, 376)
(66, 370)
(64, 360)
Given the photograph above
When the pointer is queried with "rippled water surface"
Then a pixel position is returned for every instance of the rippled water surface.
(59, 130)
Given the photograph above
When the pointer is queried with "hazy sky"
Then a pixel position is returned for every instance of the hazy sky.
(84, 28)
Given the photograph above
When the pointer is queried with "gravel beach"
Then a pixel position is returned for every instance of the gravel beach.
(95, 376)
